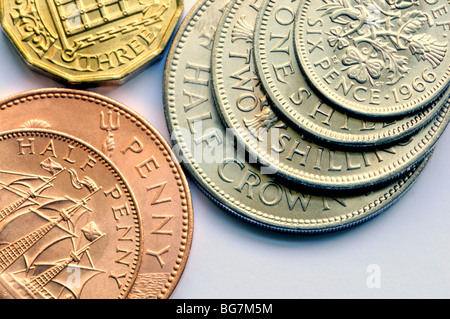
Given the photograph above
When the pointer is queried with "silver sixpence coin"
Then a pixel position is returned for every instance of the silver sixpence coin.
(375, 58)
(298, 102)
(248, 112)
(223, 173)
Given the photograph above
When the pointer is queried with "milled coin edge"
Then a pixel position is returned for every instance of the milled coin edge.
(112, 168)
(419, 120)
(156, 138)
(403, 109)
(252, 146)
(224, 200)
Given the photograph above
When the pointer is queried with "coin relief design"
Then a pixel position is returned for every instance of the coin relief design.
(218, 167)
(83, 41)
(142, 156)
(246, 109)
(377, 58)
(70, 225)
(289, 153)
(299, 104)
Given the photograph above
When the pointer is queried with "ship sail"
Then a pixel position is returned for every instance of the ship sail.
(55, 279)
(67, 272)
(46, 210)
(74, 278)
(13, 251)
(38, 229)
(37, 279)
(31, 194)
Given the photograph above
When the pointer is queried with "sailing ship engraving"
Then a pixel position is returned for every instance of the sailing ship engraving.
(48, 256)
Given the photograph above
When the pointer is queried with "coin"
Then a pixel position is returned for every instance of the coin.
(70, 224)
(285, 151)
(248, 112)
(142, 156)
(298, 103)
(375, 58)
(88, 41)
(222, 172)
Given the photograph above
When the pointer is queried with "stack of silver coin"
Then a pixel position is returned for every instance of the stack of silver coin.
(306, 116)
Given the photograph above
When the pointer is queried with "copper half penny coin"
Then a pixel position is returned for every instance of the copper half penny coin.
(143, 157)
(69, 223)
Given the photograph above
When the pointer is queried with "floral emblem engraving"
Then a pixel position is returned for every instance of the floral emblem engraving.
(26, 17)
(261, 123)
(372, 33)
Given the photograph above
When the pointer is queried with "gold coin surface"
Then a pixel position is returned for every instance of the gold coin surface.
(144, 158)
(69, 223)
(85, 41)
(375, 58)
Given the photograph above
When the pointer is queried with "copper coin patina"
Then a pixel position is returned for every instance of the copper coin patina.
(64, 212)
(141, 155)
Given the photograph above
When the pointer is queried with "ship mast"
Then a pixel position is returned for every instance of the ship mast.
(5, 212)
(10, 253)
(37, 284)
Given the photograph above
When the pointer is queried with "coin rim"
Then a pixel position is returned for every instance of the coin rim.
(420, 119)
(232, 119)
(227, 202)
(382, 174)
(114, 78)
(156, 137)
(10, 134)
(402, 109)
(312, 227)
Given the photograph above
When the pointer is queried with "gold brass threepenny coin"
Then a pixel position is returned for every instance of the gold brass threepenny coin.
(223, 174)
(65, 210)
(377, 58)
(85, 41)
(141, 155)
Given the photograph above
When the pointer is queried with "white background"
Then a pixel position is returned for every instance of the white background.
(408, 244)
